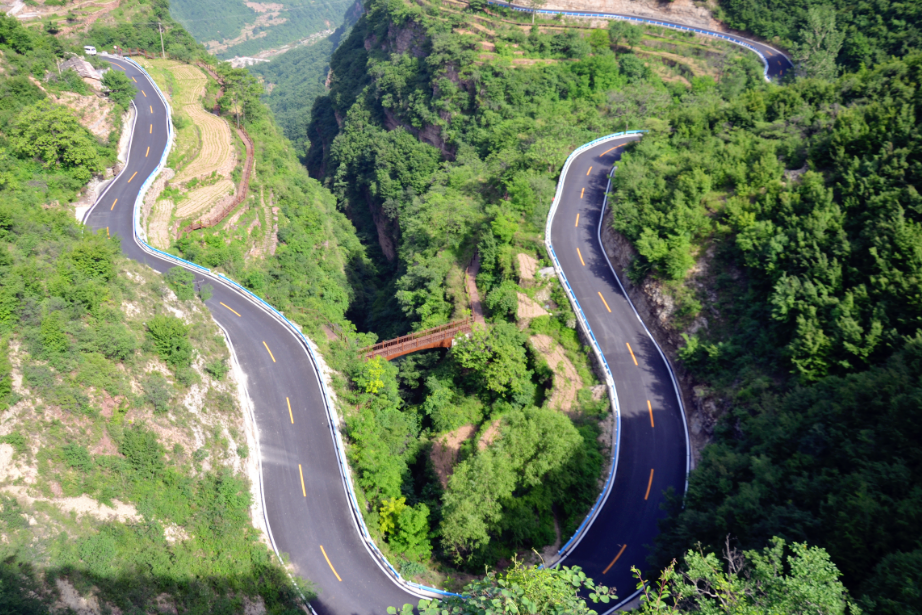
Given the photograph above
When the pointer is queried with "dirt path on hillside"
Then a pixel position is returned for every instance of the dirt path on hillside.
(528, 308)
(471, 286)
(445, 450)
(158, 229)
(566, 379)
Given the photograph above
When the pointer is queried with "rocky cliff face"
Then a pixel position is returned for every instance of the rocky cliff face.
(412, 39)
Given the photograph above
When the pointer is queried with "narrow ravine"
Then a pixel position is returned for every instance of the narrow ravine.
(309, 511)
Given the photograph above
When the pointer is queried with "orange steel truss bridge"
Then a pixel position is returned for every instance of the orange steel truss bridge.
(436, 337)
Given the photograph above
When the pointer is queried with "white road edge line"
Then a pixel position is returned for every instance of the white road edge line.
(365, 538)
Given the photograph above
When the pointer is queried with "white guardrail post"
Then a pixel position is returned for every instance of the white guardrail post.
(416, 589)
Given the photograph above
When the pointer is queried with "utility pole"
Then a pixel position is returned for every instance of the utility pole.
(162, 52)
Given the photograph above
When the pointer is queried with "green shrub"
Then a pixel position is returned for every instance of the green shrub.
(16, 440)
(97, 371)
(115, 341)
(143, 452)
(217, 368)
(157, 392)
(54, 339)
(6, 375)
(53, 134)
(182, 282)
(77, 457)
(121, 89)
(170, 338)
(503, 300)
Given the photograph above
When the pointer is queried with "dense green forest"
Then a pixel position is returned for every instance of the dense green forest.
(871, 31)
(801, 196)
(445, 150)
(87, 415)
(805, 194)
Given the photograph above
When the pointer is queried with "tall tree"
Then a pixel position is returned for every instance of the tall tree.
(815, 56)
(794, 580)
(520, 589)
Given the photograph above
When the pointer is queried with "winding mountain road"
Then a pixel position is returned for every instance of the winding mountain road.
(310, 518)
(307, 507)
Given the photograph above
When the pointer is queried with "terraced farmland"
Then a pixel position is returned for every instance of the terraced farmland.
(203, 154)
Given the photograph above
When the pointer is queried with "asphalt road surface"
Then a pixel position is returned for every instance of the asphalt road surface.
(653, 447)
(306, 503)
(776, 62)
(309, 520)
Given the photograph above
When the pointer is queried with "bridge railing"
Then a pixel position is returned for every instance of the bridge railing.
(441, 331)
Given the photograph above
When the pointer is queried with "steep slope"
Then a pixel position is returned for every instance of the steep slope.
(232, 28)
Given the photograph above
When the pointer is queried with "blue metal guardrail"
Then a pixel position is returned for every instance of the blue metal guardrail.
(603, 496)
(652, 22)
(344, 468)
(613, 394)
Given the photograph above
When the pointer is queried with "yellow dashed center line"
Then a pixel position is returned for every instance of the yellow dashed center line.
(582, 192)
(623, 547)
(330, 564)
(584, 263)
(151, 129)
(133, 79)
(632, 353)
(612, 149)
(147, 152)
(577, 220)
(301, 472)
(649, 484)
(649, 405)
(604, 301)
(290, 415)
(269, 351)
(107, 232)
(145, 93)
(130, 178)
(151, 108)
(113, 204)
(589, 171)
(235, 312)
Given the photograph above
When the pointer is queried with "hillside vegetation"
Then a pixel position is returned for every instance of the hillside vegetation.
(441, 137)
(124, 474)
(231, 28)
(780, 220)
(294, 79)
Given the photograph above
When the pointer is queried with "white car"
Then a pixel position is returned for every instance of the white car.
(89, 50)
